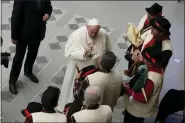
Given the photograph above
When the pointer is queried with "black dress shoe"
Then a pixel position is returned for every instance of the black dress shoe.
(123, 112)
(32, 77)
(12, 88)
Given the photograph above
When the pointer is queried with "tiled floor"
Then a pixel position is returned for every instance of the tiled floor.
(50, 64)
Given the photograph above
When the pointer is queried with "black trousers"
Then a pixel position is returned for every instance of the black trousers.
(128, 118)
(19, 56)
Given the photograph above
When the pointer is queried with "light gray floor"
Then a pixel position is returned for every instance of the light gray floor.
(67, 16)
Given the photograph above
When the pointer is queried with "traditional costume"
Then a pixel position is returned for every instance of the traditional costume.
(74, 50)
(163, 44)
(34, 113)
(92, 111)
(141, 105)
(141, 35)
(77, 104)
(109, 82)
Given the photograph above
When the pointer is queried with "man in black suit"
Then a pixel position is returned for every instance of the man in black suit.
(28, 27)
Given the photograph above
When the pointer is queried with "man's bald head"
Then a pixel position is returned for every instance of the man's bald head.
(93, 27)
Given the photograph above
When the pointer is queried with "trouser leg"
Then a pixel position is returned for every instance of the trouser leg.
(31, 56)
(17, 62)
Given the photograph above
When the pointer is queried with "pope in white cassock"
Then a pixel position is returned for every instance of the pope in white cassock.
(83, 48)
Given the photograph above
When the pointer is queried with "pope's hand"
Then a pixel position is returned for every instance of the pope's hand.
(45, 17)
(88, 49)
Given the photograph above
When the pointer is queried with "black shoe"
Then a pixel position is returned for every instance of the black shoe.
(12, 88)
(32, 77)
(123, 112)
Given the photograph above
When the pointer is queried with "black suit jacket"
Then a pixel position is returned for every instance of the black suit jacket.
(26, 20)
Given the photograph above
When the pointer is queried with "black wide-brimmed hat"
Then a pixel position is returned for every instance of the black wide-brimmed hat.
(161, 24)
(152, 55)
(31, 108)
(155, 9)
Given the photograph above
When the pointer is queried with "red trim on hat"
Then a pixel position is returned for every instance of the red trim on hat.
(153, 60)
(157, 24)
(27, 113)
(146, 23)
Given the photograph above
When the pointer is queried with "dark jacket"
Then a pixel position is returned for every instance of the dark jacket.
(26, 20)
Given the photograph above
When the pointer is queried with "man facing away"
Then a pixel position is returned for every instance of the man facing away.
(83, 48)
(108, 81)
(92, 111)
(47, 114)
(28, 26)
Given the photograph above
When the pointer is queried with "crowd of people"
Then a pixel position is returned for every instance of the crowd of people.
(91, 88)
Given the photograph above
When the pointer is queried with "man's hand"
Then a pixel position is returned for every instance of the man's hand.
(14, 42)
(140, 58)
(78, 74)
(125, 37)
(126, 86)
(45, 17)
(135, 55)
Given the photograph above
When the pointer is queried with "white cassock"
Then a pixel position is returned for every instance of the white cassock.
(74, 50)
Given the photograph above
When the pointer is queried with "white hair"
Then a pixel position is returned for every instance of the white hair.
(92, 95)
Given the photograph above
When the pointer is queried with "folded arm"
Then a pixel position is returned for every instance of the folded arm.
(149, 87)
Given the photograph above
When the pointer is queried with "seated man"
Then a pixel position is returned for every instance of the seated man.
(92, 111)
(109, 81)
(172, 102)
(48, 114)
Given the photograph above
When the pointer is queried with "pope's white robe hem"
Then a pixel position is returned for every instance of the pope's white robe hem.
(66, 95)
